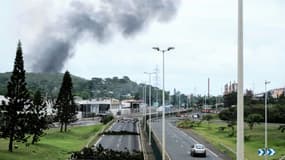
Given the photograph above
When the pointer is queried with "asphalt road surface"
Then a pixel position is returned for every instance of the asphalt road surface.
(178, 143)
(121, 142)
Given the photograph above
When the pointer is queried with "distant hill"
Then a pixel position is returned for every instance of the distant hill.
(49, 84)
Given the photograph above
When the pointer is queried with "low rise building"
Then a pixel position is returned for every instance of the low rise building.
(132, 106)
(93, 107)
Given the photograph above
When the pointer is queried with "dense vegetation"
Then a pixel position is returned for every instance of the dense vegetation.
(119, 88)
(48, 83)
(106, 119)
(254, 109)
(25, 115)
(107, 154)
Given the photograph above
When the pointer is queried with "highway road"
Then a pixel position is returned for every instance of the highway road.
(178, 143)
(122, 142)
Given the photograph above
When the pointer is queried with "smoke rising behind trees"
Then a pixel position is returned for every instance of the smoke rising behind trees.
(55, 45)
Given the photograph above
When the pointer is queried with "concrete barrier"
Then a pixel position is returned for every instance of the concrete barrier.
(159, 144)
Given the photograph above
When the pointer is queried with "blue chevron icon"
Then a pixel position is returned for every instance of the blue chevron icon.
(263, 152)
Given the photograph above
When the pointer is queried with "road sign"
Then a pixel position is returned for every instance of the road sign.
(270, 152)
(262, 152)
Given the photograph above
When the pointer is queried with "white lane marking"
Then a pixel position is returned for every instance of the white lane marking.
(192, 139)
(119, 141)
(99, 140)
(212, 152)
(137, 124)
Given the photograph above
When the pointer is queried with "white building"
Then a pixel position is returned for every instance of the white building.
(131, 106)
(93, 107)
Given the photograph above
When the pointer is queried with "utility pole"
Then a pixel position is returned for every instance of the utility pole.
(149, 128)
(217, 104)
(144, 99)
(156, 71)
(179, 101)
(240, 102)
(163, 98)
(157, 89)
(265, 117)
(208, 87)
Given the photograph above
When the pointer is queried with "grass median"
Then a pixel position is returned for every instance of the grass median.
(254, 139)
(55, 145)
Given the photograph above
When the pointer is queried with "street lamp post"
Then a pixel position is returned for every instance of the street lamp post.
(163, 99)
(144, 110)
(240, 103)
(217, 104)
(179, 102)
(149, 124)
(265, 117)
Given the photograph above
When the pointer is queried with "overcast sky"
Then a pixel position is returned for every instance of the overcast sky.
(203, 32)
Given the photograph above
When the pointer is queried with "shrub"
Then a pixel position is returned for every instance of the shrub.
(247, 138)
(101, 153)
(185, 124)
(106, 119)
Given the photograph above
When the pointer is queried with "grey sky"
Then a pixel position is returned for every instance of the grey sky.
(203, 33)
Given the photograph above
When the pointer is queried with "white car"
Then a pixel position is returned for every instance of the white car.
(198, 149)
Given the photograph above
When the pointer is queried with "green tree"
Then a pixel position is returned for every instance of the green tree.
(229, 115)
(252, 119)
(38, 121)
(248, 97)
(18, 100)
(65, 105)
(230, 99)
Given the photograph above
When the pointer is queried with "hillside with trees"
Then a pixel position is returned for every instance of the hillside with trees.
(47, 83)
(119, 88)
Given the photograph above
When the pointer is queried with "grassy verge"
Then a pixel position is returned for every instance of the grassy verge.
(225, 143)
(54, 145)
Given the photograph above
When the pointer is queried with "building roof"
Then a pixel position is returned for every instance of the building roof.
(94, 101)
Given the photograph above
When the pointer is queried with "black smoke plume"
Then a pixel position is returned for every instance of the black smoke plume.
(56, 43)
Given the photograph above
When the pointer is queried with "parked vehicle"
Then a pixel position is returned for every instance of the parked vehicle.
(198, 150)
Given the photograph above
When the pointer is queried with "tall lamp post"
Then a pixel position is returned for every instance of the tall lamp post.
(144, 100)
(149, 126)
(265, 117)
(240, 103)
(163, 98)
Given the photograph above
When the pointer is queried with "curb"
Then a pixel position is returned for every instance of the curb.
(142, 144)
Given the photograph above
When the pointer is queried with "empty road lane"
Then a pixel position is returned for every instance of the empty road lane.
(122, 142)
(178, 143)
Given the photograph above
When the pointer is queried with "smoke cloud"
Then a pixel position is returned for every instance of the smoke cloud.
(128, 17)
